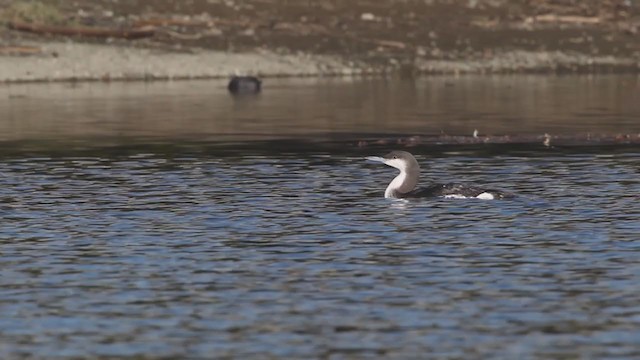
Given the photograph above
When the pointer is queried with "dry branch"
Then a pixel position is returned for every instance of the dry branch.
(130, 34)
(20, 50)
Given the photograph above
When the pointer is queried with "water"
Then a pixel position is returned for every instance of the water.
(313, 108)
(120, 240)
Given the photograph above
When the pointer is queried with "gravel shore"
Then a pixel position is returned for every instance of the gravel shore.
(86, 62)
(58, 61)
(215, 39)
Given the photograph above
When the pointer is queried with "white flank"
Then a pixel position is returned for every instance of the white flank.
(485, 196)
(455, 196)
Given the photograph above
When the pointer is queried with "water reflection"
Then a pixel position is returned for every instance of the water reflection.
(204, 110)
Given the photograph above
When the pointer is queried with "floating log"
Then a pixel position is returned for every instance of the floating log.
(545, 140)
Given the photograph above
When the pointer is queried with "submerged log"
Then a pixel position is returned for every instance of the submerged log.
(546, 140)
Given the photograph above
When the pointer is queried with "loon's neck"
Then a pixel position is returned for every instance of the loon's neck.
(403, 183)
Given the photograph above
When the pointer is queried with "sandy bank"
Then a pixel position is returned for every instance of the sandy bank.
(59, 61)
(77, 61)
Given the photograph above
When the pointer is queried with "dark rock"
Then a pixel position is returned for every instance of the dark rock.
(244, 85)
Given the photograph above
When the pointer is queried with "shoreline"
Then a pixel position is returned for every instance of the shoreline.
(101, 40)
(59, 62)
(72, 61)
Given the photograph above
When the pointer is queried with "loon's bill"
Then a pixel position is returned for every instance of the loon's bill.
(404, 185)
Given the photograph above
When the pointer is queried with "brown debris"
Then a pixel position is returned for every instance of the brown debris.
(553, 18)
(129, 34)
(189, 22)
(544, 140)
(20, 50)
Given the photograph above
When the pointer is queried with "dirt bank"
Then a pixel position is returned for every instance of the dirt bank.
(102, 39)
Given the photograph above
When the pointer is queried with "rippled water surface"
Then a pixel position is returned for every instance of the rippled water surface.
(278, 249)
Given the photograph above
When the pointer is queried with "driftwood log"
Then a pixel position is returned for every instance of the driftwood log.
(130, 34)
(20, 50)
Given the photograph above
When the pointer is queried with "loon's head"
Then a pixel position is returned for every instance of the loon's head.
(409, 172)
(401, 160)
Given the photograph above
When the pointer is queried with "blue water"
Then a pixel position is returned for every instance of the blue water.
(202, 254)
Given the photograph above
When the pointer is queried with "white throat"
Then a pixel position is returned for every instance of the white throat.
(403, 183)
(408, 177)
(394, 185)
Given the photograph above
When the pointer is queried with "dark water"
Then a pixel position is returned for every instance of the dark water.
(114, 244)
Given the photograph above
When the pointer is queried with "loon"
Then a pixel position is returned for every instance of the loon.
(403, 186)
